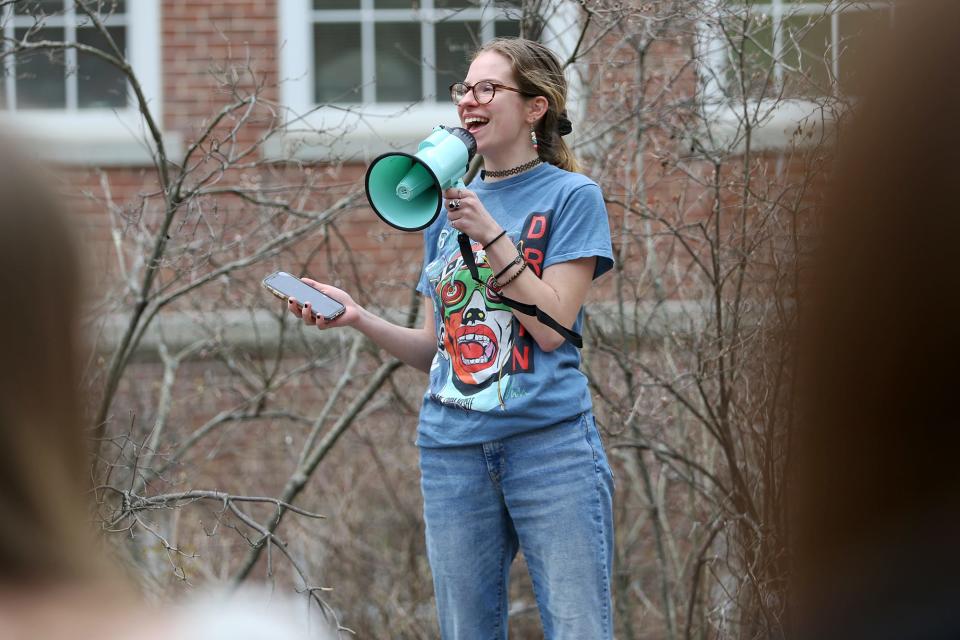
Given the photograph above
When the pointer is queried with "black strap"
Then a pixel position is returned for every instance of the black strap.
(526, 309)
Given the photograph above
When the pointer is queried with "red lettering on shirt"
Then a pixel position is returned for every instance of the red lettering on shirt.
(521, 360)
(534, 258)
(538, 227)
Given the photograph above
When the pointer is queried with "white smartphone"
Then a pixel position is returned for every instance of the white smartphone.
(286, 286)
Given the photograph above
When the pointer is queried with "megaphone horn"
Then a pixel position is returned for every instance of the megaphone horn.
(406, 190)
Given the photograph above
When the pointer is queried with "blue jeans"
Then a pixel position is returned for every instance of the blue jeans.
(548, 492)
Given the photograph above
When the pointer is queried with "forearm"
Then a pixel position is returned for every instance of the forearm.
(415, 347)
(526, 286)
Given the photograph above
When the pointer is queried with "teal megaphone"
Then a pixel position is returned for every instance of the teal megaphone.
(406, 190)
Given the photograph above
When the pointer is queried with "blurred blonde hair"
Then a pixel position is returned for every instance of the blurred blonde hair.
(538, 72)
(43, 454)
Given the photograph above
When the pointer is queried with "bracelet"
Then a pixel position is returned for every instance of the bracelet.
(500, 287)
(502, 233)
(516, 261)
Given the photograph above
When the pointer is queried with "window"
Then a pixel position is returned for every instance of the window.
(399, 51)
(64, 80)
(804, 49)
(787, 54)
(362, 76)
(77, 106)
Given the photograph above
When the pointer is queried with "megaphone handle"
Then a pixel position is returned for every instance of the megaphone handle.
(466, 251)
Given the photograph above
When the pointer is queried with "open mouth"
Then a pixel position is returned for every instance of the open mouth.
(474, 123)
(476, 346)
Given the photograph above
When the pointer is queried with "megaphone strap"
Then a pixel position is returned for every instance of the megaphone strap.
(526, 309)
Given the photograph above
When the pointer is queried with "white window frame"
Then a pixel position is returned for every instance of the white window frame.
(359, 132)
(777, 120)
(102, 136)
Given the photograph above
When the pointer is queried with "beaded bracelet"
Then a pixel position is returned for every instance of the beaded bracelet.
(511, 278)
(502, 233)
(516, 261)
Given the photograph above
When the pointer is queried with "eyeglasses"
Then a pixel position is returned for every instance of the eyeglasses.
(483, 91)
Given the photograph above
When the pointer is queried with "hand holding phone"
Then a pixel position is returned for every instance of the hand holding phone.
(286, 286)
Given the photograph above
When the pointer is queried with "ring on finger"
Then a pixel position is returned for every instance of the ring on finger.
(455, 204)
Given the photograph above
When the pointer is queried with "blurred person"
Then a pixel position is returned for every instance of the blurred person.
(510, 455)
(54, 582)
(877, 493)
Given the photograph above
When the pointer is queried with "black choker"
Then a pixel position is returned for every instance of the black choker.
(511, 172)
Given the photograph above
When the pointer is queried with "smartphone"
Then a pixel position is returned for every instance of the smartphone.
(286, 286)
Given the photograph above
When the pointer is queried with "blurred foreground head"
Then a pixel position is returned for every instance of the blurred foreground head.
(54, 581)
(43, 461)
(878, 493)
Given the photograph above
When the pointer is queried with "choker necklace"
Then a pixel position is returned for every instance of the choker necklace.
(511, 172)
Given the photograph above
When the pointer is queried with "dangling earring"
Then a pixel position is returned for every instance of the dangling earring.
(533, 140)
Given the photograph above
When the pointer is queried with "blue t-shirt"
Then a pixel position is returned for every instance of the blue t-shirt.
(489, 379)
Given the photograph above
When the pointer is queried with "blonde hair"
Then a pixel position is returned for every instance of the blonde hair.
(537, 72)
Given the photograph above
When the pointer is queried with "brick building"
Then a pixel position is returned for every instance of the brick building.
(277, 105)
(350, 78)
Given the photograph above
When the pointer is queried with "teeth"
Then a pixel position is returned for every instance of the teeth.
(480, 360)
(473, 120)
(473, 337)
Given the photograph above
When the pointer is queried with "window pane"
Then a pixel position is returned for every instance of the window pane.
(808, 52)
(38, 7)
(337, 62)
(854, 26)
(454, 4)
(107, 9)
(396, 4)
(100, 84)
(757, 73)
(456, 42)
(319, 5)
(40, 74)
(507, 29)
(398, 62)
(512, 8)
(805, 57)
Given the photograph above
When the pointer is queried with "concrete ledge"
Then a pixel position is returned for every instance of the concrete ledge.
(776, 125)
(358, 133)
(245, 330)
(98, 139)
(259, 330)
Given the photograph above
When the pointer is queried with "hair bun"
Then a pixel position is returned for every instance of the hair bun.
(564, 126)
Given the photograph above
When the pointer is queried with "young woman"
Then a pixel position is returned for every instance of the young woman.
(510, 456)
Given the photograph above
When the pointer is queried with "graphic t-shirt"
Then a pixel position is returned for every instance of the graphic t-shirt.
(489, 379)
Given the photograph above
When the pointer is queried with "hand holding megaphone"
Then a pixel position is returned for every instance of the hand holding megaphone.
(406, 190)
(467, 214)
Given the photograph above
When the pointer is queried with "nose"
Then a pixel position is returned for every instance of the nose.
(467, 99)
(474, 314)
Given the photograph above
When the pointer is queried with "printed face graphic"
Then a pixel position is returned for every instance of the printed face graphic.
(478, 328)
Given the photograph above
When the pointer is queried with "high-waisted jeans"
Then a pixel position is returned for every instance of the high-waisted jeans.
(547, 492)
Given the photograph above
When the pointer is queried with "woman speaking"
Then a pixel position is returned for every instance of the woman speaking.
(510, 456)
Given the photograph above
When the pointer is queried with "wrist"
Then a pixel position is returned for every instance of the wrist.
(494, 237)
(360, 319)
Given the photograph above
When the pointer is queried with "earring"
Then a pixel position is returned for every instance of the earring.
(533, 139)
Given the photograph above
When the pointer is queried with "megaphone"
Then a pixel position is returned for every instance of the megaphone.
(406, 190)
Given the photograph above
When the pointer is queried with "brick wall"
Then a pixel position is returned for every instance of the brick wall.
(203, 40)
